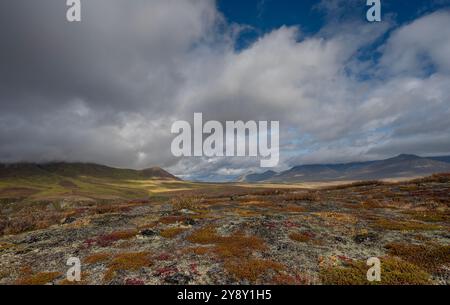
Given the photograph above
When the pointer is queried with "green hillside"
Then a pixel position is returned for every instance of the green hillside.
(79, 181)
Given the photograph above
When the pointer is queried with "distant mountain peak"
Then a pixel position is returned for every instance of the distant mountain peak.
(407, 156)
(255, 177)
(401, 166)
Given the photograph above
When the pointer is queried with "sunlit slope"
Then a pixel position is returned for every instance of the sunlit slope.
(82, 181)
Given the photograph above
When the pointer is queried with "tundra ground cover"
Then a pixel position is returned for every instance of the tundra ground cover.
(224, 234)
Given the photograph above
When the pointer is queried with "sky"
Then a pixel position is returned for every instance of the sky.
(107, 89)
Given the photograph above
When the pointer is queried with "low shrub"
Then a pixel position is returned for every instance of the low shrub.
(29, 219)
(251, 268)
(301, 237)
(111, 208)
(302, 196)
(127, 261)
(394, 271)
(205, 235)
(430, 257)
(171, 232)
(109, 239)
(198, 250)
(430, 215)
(238, 246)
(235, 245)
(172, 219)
(97, 258)
(41, 278)
(188, 203)
(400, 225)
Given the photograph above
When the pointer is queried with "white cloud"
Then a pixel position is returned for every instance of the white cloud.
(415, 47)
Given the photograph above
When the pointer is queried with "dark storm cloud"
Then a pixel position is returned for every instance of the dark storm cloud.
(66, 87)
(107, 89)
(107, 59)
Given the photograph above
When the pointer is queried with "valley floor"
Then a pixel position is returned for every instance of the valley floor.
(232, 234)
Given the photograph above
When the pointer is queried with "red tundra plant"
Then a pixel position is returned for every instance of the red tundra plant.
(163, 257)
(166, 271)
(290, 224)
(193, 268)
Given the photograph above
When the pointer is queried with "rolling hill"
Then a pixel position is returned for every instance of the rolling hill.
(80, 181)
(74, 170)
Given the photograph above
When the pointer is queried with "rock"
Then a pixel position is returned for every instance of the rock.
(340, 240)
(363, 238)
(148, 232)
(178, 279)
(190, 222)
(187, 212)
(68, 220)
(31, 240)
(282, 247)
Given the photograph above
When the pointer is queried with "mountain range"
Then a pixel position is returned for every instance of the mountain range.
(402, 166)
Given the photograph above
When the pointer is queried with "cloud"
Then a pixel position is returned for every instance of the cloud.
(108, 89)
(72, 91)
(419, 48)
